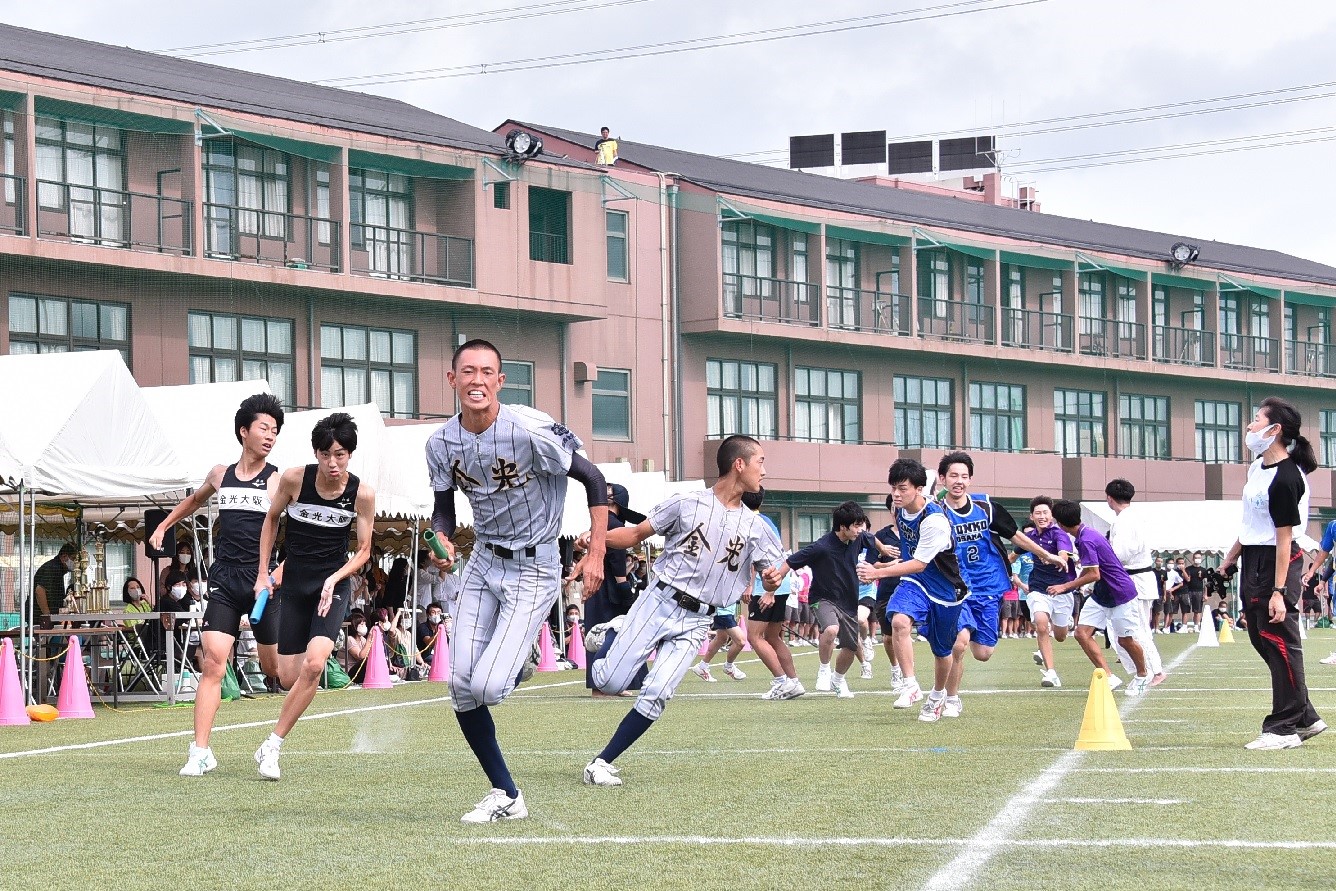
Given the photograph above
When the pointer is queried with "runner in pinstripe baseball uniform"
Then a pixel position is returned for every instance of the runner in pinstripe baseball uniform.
(512, 464)
(712, 546)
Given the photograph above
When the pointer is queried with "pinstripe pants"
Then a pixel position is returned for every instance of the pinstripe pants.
(654, 622)
(502, 603)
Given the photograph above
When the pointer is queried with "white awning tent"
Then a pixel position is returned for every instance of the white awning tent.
(293, 448)
(1181, 525)
(197, 421)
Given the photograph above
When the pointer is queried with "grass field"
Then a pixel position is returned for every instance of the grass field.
(726, 791)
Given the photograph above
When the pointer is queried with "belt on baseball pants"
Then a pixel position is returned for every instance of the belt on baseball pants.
(508, 554)
(686, 601)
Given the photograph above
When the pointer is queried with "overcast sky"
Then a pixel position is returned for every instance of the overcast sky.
(980, 64)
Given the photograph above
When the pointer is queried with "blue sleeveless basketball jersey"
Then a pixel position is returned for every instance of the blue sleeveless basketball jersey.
(986, 572)
(941, 578)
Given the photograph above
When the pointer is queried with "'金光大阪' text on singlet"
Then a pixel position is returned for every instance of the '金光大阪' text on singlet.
(318, 527)
(242, 505)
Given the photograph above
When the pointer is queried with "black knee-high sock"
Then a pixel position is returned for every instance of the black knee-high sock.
(633, 727)
(480, 731)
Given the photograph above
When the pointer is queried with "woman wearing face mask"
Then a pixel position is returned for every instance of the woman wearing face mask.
(405, 659)
(1275, 505)
(357, 646)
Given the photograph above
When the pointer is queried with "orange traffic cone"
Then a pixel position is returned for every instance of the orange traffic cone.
(377, 674)
(12, 711)
(74, 701)
(1101, 728)
(547, 659)
(575, 651)
(440, 658)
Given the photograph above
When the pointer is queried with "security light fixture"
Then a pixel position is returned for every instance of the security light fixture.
(523, 145)
(1182, 253)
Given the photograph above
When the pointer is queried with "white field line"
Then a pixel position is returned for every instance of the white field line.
(1120, 801)
(1259, 769)
(975, 854)
(799, 842)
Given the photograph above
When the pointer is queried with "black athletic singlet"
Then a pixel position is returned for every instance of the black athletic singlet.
(242, 506)
(318, 527)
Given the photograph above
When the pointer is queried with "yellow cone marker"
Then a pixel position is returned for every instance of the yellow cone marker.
(1101, 728)
(1226, 635)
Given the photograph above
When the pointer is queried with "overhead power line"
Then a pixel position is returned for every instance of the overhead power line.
(393, 29)
(1179, 150)
(810, 29)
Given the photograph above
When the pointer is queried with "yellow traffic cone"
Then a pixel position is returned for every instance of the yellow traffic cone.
(1226, 634)
(1101, 728)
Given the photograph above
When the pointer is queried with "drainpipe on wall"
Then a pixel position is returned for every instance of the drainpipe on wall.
(310, 350)
(665, 331)
(678, 434)
(561, 364)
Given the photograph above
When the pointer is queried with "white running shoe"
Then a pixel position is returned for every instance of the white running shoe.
(267, 757)
(1138, 685)
(497, 806)
(932, 709)
(866, 673)
(1114, 682)
(897, 677)
(600, 773)
(594, 638)
(953, 708)
(823, 680)
(792, 689)
(1270, 741)
(1050, 679)
(199, 762)
(734, 672)
(1313, 729)
(843, 691)
(1038, 658)
(776, 687)
(702, 670)
(911, 694)
(867, 649)
(1330, 660)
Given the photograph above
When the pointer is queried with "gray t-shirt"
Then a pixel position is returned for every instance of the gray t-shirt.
(711, 552)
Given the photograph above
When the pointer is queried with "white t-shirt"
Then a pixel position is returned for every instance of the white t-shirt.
(1129, 544)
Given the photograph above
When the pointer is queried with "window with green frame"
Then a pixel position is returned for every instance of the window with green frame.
(519, 383)
(934, 281)
(1079, 423)
(924, 415)
(1219, 431)
(612, 404)
(549, 225)
(1143, 426)
(225, 347)
(41, 324)
(377, 365)
(619, 259)
(997, 417)
(1327, 433)
(827, 405)
(741, 397)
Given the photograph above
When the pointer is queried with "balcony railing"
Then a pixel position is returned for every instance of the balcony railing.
(1106, 337)
(878, 312)
(113, 218)
(272, 238)
(952, 320)
(1249, 352)
(1037, 330)
(1183, 346)
(12, 218)
(409, 255)
(771, 300)
(548, 247)
(1311, 359)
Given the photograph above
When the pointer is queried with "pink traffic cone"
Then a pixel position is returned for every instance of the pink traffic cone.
(377, 674)
(576, 650)
(440, 658)
(74, 701)
(705, 644)
(746, 643)
(547, 659)
(12, 711)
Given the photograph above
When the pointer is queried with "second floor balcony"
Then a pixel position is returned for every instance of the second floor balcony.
(409, 255)
(12, 218)
(760, 299)
(1107, 337)
(1310, 358)
(271, 238)
(1249, 352)
(877, 312)
(1183, 346)
(112, 218)
(1037, 330)
(952, 320)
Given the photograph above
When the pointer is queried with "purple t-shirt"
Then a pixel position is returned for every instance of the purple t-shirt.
(1053, 539)
(1094, 549)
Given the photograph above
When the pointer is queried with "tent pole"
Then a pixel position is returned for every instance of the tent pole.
(24, 621)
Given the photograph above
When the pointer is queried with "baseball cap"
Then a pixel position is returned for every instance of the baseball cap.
(622, 499)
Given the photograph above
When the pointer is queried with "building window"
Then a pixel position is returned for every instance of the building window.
(923, 413)
(1079, 423)
(1092, 303)
(56, 325)
(519, 384)
(501, 195)
(740, 398)
(381, 214)
(322, 228)
(81, 170)
(997, 417)
(359, 365)
(974, 282)
(827, 405)
(612, 404)
(619, 261)
(242, 348)
(935, 281)
(549, 225)
(1143, 426)
(1218, 431)
(10, 180)
(811, 527)
(1327, 420)
(246, 192)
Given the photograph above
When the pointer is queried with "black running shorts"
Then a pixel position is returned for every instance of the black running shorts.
(231, 596)
(302, 584)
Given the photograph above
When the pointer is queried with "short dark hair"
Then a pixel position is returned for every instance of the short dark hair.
(1043, 500)
(1067, 513)
(603, 130)
(436, 604)
(907, 470)
(1121, 491)
(735, 447)
(955, 458)
(338, 427)
(754, 500)
(68, 549)
(259, 404)
(476, 343)
(847, 514)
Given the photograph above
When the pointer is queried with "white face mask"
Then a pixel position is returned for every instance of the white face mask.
(184, 558)
(435, 620)
(384, 626)
(1257, 443)
(69, 564)
(178, 591)
(361, 629)
(405, 623)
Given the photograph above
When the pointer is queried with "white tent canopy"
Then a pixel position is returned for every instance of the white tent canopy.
(1181, 525)
(79, 427)
(293, 448)
(197, 420)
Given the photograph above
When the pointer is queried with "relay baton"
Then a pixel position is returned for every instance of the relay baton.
(434, 542)
(261, 600)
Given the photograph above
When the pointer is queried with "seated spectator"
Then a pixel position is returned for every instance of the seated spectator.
(405, 658)
(357, 647)
(430, 630)
(573, 623)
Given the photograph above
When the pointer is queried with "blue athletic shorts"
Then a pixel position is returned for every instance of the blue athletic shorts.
(939, 624)
(723, 622)
(979, 615)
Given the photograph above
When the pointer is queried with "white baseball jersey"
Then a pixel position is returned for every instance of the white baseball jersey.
(710, 552)
(513, 474)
